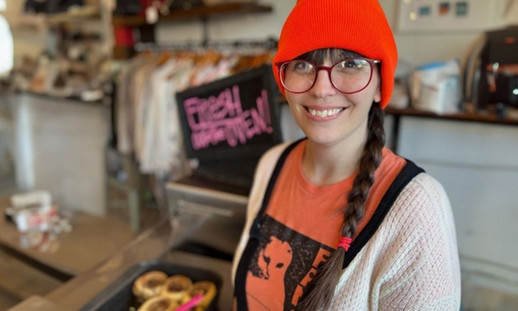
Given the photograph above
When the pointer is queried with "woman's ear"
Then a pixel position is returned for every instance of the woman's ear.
(377, 94)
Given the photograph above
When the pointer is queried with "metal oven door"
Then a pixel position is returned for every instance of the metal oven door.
(218, 217)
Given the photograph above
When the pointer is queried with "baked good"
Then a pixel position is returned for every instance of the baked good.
(205, 288)
(177, 286)
(149, 284)
(159, 303)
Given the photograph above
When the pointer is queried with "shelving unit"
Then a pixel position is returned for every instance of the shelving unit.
(72, 19)
(202, 13)
(52, 20)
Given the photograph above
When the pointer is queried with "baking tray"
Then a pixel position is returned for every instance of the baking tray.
(119, 296)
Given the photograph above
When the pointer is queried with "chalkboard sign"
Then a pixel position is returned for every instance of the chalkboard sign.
(235, 117)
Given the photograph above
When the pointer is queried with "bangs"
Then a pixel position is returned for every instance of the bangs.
(318, 57)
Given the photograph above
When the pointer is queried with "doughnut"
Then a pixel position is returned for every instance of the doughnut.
(176, 286)
(149, 284)
(206, 288)
(159, 303)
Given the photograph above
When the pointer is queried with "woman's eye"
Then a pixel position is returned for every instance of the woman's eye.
(352, 64)
(301, 66)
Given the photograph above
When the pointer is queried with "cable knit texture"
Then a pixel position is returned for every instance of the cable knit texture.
(411, 262)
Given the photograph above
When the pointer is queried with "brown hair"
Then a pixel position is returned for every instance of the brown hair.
(320, 290)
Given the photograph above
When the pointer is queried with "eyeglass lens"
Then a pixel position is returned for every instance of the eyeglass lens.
(348, 76)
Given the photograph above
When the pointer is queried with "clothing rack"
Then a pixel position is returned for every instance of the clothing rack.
(268, 44)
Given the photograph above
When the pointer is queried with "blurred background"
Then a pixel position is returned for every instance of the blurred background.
(96, 150)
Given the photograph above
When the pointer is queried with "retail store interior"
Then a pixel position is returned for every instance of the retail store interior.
(101, 105)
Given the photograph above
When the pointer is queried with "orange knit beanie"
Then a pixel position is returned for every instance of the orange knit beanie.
(355, 25)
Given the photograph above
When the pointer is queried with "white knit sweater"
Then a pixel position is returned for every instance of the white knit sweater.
(410, 263)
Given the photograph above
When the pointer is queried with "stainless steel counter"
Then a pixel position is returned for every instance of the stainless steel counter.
(155, 243)
(213, 217)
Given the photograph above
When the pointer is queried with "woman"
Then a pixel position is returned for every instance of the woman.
(337, 221)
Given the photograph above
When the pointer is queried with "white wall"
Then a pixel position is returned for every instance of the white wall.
(59, 147)
(418, 48)
(477, 165)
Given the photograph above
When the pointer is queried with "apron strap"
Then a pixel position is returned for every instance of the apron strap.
(253, 240)
(409, 171)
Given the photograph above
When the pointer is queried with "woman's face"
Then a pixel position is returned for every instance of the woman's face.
(330, 117)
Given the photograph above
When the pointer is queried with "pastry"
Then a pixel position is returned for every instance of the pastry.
(177, 286)
(159, 303)
(206, 288)
(149, 284)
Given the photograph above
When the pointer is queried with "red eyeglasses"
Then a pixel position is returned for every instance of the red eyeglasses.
(350, 75)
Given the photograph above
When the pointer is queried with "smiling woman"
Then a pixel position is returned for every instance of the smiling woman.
(335, 101)
(337, 221)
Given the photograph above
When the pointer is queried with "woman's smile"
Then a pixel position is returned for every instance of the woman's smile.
(318, 113)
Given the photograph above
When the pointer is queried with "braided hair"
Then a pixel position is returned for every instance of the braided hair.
(320, 290)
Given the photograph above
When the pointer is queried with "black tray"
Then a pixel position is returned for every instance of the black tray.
(119, 296)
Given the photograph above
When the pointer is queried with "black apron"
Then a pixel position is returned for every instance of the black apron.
(409, 171)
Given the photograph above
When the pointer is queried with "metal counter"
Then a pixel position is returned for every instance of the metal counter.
(195, 210)
(153, 244)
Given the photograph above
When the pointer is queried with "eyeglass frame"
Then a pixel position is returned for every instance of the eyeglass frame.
(328, 69)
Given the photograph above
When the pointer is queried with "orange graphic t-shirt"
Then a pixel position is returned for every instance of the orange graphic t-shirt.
(300, 228)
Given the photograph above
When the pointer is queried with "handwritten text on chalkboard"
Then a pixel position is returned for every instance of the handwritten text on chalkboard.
(221, 118)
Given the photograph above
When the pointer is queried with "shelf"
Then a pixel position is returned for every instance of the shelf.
(65, 18)
(462, 116)
(196, 12)
(39, 20)
(74, 99)
(481, 117)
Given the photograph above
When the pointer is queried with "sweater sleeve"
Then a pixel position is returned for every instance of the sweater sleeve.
(423, 271)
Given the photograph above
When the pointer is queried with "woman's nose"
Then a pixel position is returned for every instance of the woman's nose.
(323, 86)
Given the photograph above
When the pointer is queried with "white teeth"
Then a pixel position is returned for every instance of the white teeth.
(324, 113)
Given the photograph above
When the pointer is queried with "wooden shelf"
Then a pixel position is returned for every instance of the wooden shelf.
(40, 20)
(463, 116)
(201, 12)
(64, 18)
(481, 117)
